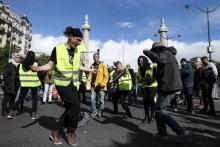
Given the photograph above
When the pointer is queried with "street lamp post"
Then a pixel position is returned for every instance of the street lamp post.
(207, 11)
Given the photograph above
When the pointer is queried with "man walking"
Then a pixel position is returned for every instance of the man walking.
(99, 82)
(169, 82)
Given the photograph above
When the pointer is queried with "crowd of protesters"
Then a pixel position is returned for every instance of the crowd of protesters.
(159, 77)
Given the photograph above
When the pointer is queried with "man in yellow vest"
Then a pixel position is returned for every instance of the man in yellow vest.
(65, 60)
(124, 84)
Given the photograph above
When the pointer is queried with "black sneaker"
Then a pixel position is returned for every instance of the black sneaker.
(129, 114)
(11, 115)
(211, 113)
(114, 112)
(49, 102)
(184, 134)
(34, 115)
(4, 114)
(160, 136)
(42, 103)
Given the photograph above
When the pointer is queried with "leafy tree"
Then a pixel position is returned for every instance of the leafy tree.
(4, 55)
(42, 59)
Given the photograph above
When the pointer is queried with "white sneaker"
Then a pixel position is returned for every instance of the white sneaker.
(94, 114)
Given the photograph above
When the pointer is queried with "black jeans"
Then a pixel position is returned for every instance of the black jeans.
(149, 94)
(69, 119)
(9, 98)
(82, 90)
(163, 118)
(120, 95)
(23, 93)
(188, 94)
(207, 97)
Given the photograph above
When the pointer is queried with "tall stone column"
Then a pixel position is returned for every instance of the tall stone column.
(86, 29)
(163, 32)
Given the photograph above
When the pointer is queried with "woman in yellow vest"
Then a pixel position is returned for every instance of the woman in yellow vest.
(65, 60)
(124, 84)
(28, 80)
(147, 80)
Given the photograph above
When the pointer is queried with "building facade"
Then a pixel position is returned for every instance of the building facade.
(15, 30)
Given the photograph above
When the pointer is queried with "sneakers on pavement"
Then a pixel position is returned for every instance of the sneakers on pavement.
(210, 112)
(183, 134)
(71, 138)
(34, 115)
(43, 103)
(160, 136)
(94, 114)
(50, 102)
(55, 137)
(11, 115)
(100, 114)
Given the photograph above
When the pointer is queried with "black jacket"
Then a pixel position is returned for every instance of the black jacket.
(10, 79)
(169, 80)
(133, 76)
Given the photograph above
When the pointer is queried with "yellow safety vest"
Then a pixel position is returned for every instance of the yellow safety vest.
(111, 75)
(28, 78)
(65, 72)
(148, 73)
(125, 82)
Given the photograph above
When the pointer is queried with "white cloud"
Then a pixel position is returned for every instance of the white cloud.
(111, 50)
(45, 44)
(125, 24)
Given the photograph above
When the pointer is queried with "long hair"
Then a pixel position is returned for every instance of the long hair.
(145, 65)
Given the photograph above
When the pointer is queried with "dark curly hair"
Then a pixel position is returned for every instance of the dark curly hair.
(75, 32)
(29, 60)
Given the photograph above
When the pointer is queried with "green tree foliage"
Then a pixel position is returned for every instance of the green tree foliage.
(4, 54)
(42, 59)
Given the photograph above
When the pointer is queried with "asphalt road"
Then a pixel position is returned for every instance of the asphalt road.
(109, 131)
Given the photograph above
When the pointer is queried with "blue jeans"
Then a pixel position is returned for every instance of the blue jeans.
(163, 118)
(101, 99)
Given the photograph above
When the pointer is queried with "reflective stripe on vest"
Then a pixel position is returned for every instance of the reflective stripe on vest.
(65, 72)
(28, 78)
(125, 83)
(84, 79)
